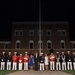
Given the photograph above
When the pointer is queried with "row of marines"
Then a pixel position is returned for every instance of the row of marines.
(38, 62)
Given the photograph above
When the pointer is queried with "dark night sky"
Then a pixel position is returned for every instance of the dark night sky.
(28, 10)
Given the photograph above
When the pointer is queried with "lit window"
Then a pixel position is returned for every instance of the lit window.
(48, 32)
(18, 44)
(31, 33)
(40, 32)
(49, 44)
(31, 44)
(62, 44)
(63, 32)
(59, 32)
(20, 32)
(16, 32)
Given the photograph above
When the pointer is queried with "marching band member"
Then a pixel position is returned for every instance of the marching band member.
(3, 60)
(63, 58)
(58, 66)
(9, 60)
(26, 60)
(69, 61)
(20, 60)
(14, 60)
(41, 59)
(73, 60)
(46, 62)
(52, 61)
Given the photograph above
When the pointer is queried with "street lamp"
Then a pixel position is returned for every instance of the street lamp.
(39, 27)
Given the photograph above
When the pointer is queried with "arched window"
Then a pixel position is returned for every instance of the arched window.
(31, 44)
(39, 44)
(49, 44)
(62, 44)
(18, 44)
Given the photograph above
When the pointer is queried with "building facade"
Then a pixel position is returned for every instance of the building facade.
(25, 37)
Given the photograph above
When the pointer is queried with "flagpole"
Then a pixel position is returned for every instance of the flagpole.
(39, 27)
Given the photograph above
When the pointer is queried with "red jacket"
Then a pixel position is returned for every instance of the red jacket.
(20, 59)
(14, 58)
(26, 58)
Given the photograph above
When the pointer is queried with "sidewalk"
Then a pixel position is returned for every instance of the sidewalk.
(39, 73)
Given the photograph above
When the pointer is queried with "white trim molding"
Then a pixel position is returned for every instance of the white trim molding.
(72, 42)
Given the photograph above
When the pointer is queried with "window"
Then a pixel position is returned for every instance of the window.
(62, 44)
(5, 46)
(74, 45)
(40, 32)
(20, 32)
(63, 32)
(16, 32)
(31, 44)
(49, 44)
(48, 32)
(18, 44)
(31, 33)
(59, 32)
(40, 44)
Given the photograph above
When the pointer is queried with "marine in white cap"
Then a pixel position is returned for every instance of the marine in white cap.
(41, 58)
(26, 60)
(9, 60)
(52, 61)
(58, 65)
(69, 60)
(63, 58)
(73, 61)
(20, 61)
(14, 60)
(3, 59)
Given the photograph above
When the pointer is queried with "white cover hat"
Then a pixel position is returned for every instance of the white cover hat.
(20, 54)
(41, 53)
(3, 52)
(73, 52)
(26, 52)
(57, 52)
(15, 52)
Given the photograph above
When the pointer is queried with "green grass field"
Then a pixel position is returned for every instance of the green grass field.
(70, 71)
(4, 72)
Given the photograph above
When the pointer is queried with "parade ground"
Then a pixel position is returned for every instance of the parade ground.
(39, 73)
